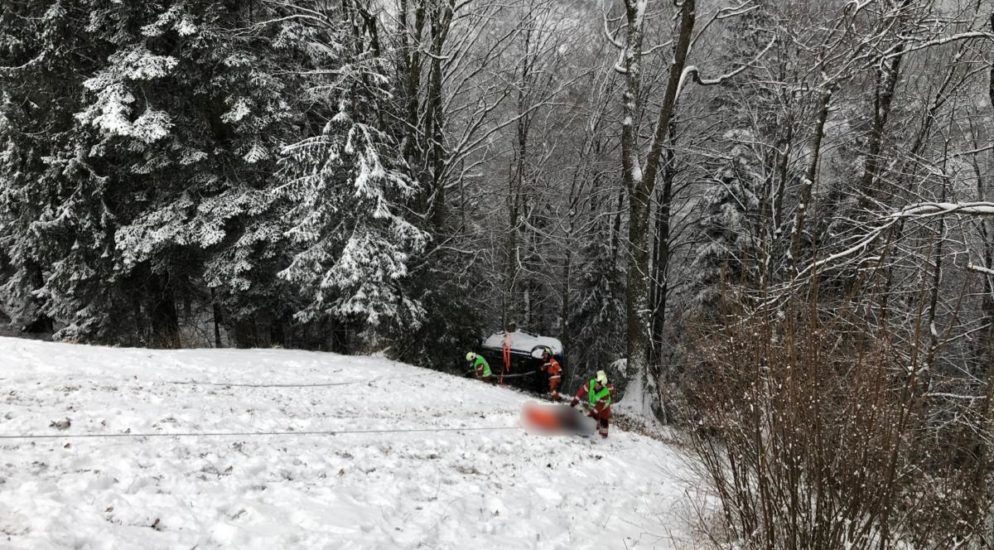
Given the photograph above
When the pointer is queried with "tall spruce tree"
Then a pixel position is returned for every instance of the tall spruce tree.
(728, 226)
(343, 188)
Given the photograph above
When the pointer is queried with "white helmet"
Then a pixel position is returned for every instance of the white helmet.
(470, 356)
(602, 377)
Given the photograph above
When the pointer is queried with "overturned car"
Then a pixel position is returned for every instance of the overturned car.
(516, 359)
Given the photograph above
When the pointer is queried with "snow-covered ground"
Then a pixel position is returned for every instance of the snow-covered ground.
(377, 489)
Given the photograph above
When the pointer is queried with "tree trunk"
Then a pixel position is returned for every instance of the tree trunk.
(441, 18)
(510, 271)
(887, 76)
(780, 181)
(216, 315)
(988, 233)
(809, 179)
(640, 184)
(509, 310)
(246, 333)
(411, 66)
(163, 317)
(516, 185)
(38, 322)
(662, 249)
(615, 227)
(985, 353)
(277, 334)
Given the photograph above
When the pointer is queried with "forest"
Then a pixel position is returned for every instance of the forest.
(773, 219)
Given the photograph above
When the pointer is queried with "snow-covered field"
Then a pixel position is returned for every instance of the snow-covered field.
(499, 488)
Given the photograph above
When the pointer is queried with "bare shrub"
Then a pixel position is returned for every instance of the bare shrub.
(815, 430)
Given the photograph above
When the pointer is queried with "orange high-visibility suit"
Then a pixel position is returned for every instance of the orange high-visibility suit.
(555, 371)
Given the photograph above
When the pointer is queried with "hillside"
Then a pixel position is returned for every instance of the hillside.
(402, 471)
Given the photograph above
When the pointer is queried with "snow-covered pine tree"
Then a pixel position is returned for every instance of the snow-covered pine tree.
(343, 189)
(599, 311)
(764, 103)
(452, 288)
(228, 117)
(728, 227)
(49, 193)
(164, 138)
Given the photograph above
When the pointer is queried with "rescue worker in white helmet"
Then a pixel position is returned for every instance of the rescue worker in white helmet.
(480, 366)
(596, 396)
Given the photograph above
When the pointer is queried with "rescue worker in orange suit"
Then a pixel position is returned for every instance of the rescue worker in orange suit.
(554, 370)
(596, 396)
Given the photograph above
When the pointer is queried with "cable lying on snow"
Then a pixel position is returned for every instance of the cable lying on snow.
(256, 434)
(296, 385)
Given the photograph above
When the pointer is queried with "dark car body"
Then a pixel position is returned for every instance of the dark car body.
(525, 369)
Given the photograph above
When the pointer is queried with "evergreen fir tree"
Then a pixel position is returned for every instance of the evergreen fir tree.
(160, 137)
(343, 190)
(599, 314)
(729, 229)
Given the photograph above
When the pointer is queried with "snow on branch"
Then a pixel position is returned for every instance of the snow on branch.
(937, 42)
(27, 64)
(980, 269)
(946, 395)
(862, 244)
(932, 209)
(611, 37)
(694, 73)
(619, 67)
(735, 11)
(424, 51)
(657, 47)
(919, 210)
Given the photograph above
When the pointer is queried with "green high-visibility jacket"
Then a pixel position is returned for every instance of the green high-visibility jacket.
(594, 396)
(480, 361)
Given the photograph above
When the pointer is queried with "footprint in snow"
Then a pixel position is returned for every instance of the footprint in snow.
(61, 424)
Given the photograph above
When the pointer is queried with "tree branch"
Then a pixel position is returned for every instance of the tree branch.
(694, 73)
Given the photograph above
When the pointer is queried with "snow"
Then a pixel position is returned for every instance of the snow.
(636, 404)
(238, 112)
(943, 208)
(434, 489)
(524, 342)
(980, 269)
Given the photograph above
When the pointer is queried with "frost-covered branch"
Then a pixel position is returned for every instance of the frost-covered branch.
(725, 13)
(980, 269)
(611, 37)
(860, 245)
(735, 11)
(657, 47)
(936, 42)
(920, 210)
(25, 65)
(694, 73)
(932, 209)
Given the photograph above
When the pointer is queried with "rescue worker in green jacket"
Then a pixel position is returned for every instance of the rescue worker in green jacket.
(596, 396)
(480, 366)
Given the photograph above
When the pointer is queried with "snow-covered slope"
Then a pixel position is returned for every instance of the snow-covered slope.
(376, 489)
